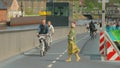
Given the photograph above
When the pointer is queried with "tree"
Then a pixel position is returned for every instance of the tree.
(92, 4)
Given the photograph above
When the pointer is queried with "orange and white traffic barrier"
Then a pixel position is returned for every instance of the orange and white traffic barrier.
(101, 46)
(111, 52)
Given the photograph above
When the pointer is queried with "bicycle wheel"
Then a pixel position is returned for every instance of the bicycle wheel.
(42, 48)
(41, 53)
(92, 35)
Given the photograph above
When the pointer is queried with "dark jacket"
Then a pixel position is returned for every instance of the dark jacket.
(92, 26)
(43, 29)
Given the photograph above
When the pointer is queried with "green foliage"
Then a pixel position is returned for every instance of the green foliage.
(116, 34)
(114, 1)
(92, 4)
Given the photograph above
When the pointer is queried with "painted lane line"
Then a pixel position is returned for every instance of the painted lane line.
(57, 58)
(66, 50)
(63, 53)
(53, 62)
(60, 55)
(54, 53)
(50, 65)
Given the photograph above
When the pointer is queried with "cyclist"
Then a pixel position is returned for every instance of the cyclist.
(43, 29)
(51, 30)
(92, 28)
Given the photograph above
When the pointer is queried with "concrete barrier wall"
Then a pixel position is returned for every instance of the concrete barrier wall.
(16, 42)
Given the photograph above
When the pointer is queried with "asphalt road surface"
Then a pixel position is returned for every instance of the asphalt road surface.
(56, 56)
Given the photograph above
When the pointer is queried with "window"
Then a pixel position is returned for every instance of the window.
(58, 9)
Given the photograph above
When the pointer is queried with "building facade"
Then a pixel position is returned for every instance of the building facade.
(32, 7)
(3, 12)
(12, 8)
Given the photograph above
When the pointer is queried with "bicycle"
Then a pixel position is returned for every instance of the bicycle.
(43, 44)
(93, 34)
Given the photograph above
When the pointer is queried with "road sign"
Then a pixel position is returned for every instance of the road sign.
(100, 1)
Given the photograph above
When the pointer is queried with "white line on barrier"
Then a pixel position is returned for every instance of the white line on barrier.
(114, 56)
(101, 36)
(109, 49)
(102, 43)
(102, 51)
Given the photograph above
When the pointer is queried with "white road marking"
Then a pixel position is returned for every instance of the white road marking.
(60, 55)
(57, 58)
(50, 65)
(63, 53)
(53, 61)
(66, 50)
(54, 53)
(31, 53)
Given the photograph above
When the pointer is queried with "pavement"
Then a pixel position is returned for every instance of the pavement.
(56, 56)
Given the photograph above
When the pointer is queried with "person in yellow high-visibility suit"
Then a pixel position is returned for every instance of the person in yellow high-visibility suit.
(72, 47)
